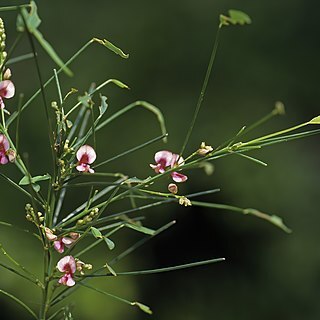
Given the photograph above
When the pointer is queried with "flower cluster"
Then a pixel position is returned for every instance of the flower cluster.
(68, 266)
(60, 243)
(166, 159)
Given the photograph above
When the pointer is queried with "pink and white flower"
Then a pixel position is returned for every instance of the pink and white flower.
(4, 148)
(86, 156)
(67, 265)
(166, 159)
(7, 91)
(65, 241)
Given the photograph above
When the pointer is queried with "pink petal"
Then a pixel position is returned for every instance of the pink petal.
(81, 167)
(7, 89)
(67, 241)
(157, 168)
(163, 157)
(59, 246)
(86, 154)
(70, 282)
(67, 264)
(3, 159)
(63, 280)
(178, 177)
(176, 160)
(4, 143)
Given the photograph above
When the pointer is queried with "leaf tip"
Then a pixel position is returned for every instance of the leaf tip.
(315, 120)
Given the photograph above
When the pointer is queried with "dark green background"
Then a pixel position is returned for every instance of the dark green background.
(267, 274)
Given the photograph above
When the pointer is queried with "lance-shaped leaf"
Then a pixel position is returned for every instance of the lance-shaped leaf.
(140, 229)
(27, 180)
(112, 47)
(96, 233)
(109, 243)
(110, 269)
(315, 120)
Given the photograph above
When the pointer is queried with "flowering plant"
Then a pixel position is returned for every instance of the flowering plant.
(72, 132)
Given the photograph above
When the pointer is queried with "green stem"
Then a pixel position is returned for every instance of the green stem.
(13, 8)
(203, 90)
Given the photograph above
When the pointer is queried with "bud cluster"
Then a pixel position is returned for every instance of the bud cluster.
(3, 53)
(33, 217)
(88, 218)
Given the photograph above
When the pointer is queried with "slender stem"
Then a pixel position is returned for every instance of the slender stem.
(203, 90)
(13, 8)
(50, 130)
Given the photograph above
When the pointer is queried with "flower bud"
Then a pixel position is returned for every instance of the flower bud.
(173, 188)
(204, 149)
(7, 74)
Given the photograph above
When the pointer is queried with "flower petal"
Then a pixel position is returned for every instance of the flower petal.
(163, 157)
(86, 154)
(67, 264)
(81, 167)
(4, 142)
(59, 246)
(70, 282)
(176, 160)
(3, 159)
(7, 89)
(178, 177)
(67, 241)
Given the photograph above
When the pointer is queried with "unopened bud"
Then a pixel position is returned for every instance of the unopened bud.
(7, 74)
(49, 234)
(173, 188)
(204, 149)
(11, 155)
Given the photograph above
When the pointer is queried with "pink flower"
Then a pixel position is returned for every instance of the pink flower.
(7, 91)
(67, 265)
(85, 155)
(4, 147)
(65, 241)
(165, 159)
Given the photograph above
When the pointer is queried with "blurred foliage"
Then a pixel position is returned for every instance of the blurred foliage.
(267, 273)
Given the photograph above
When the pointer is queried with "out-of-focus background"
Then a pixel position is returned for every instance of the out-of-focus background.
(267, 273)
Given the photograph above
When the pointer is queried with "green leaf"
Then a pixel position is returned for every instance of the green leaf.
(142, 307)
(110, 269)
(112, 47)
(104, 106)
(120, 84)
(235, 17)
(96, 233)
(32, 19)
(140, 229)
(26, 179)
(36, 187)
(277, 221)
(315, 120)
(109, 243)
